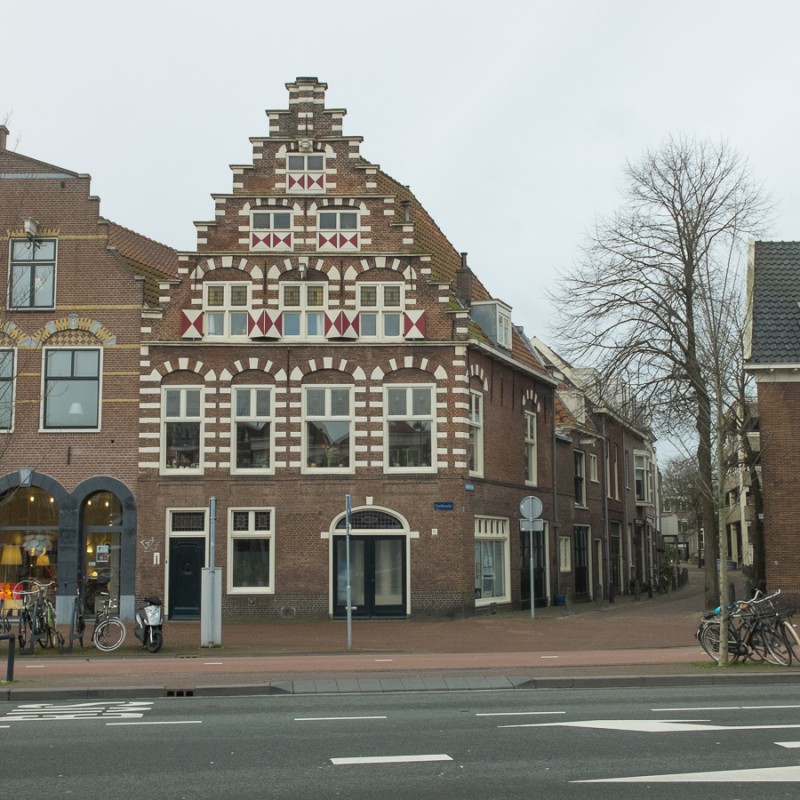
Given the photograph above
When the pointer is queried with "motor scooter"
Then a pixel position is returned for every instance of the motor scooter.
(149, 620)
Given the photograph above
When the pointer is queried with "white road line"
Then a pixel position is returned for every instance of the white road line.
(758, 775)
(790, 745)
(389, 759)
(213, 663)
(519, 713)
(329, 719)
(34, 666)
(649, 726)
(383, 660)
(717, 708)
(549, 656)
(176, 722)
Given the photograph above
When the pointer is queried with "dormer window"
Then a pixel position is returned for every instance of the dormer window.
(271, 230)
(494, 317)
(338, 230)
(503, 328)
(305, 174)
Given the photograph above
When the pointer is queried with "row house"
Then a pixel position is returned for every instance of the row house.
(73, 288)
(607, 511)
(772, 357)
(323, 368)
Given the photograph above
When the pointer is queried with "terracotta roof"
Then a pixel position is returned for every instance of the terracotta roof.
(143, 251)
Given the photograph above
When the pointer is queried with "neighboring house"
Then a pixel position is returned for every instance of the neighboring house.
(326, 342)
(772, 356)
(607, 485)
(73, 290)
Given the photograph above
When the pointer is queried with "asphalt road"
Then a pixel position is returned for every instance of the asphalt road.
(610, 743)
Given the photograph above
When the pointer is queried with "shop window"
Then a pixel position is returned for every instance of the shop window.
(492, 576)
(101, 516)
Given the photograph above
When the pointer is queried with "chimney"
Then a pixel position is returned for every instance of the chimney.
(3, 138)
(464, 282)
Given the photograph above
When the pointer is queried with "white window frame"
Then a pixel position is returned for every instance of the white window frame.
(475, 441)
(345, 230)
(308, 316)
(503, 328)
(388, 317)
(531, 448)
(492, 533)
(324, 463)
(252, 419)
(564, 554)
(29, 265)
(170, 463)
(251, 533)
(227, 310)
(8, 386)
(642, 477)
(304, 172)
(404, 454)
(271, 213)
(263, 226)
(49, 392)
(594, 474)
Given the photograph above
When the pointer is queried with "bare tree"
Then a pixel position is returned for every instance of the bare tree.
(652, 300)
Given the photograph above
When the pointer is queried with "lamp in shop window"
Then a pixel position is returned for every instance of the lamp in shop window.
(12, 557)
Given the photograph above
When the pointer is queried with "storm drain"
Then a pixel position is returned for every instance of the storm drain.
(180, 692)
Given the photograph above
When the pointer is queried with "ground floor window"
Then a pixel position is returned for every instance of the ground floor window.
(491, 560)
(564, 554)
(251, 564)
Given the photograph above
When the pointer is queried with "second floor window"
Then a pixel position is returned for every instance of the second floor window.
(271, 230)
(380, 310)
(252, 428)
(303, 309)
(410, 435)
(328, 427)
(33, 273)
(182, 431)
(6, 389)
(580, 477)
(226, 307)
(531, 470)
(71, 388)
(641, 477)
(475, 441)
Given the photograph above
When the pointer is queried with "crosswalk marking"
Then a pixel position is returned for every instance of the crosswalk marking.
(757, 775)
(47, 712)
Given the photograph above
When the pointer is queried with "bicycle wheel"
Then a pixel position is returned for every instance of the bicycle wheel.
(778, 648)
(792, 639)
(709, 639)
(758, 647)
(109, 635)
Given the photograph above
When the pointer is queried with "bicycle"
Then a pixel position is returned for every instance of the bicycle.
(752, 633)
(37, 619)
(109, 632)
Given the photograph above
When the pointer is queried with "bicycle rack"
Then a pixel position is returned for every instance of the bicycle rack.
(75, 631)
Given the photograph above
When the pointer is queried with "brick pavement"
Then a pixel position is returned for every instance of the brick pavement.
(630, 642)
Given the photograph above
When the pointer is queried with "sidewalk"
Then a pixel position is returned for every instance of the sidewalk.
(629, 642)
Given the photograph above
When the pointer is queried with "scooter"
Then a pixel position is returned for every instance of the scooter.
(148, 628)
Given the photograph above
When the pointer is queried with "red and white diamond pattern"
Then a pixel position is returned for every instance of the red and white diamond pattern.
(192, 324)
(306, 182)
(414, 324)
(338, 241)
(271, 241)
(341, 325)
(264, 324)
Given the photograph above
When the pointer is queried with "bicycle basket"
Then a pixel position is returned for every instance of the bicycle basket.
(776, 605)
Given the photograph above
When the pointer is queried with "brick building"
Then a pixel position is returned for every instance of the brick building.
(324, 340)
(772, 353)
(73, 288)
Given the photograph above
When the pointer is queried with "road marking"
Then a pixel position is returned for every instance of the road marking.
(518, 713)
(758, 775)
(650, 726)
(34, 666)
(389, 759)
(45, 712)
(328, 719)
(174, 722)
(213, 663)
(790, 745)
(717, 708)
(383, 660)
(549, 656)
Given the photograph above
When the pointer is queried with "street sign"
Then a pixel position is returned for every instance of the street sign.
(531, 525)
(530, 507)
(443, 505)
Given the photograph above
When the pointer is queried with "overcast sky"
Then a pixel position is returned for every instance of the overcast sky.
(511, 120)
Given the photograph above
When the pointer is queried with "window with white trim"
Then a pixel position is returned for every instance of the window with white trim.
(564, 554)
(270, 230)
(305, 173)
(475, 441)
(503, 328)
(226, 309)
(531, 449)
(642, 477)
(7, 359)
(409, 428)
(32, 273)
(251, 560)
(492, 562)
(579, 458)
(380, 310)
(303, 309)
(71, 390)
(182, 428)
(594, 474)
(251, 436)
(328, 428)
(337, 230)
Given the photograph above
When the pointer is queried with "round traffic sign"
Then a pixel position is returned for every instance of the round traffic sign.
(530, 507)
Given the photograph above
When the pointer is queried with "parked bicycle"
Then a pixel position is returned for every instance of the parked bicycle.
(37, 617)
(758, 629)
(109, 631)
